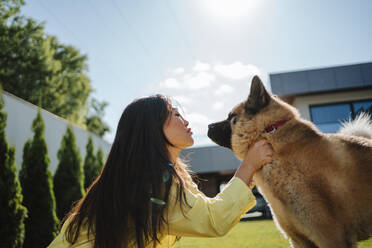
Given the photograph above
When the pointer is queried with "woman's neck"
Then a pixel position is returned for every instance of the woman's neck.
(173, 152)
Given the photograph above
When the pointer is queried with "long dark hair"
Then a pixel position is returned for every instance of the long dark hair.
(125, 204)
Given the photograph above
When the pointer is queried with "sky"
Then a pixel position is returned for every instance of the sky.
(202, 53)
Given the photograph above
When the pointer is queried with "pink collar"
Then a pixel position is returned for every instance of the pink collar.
(272, 128)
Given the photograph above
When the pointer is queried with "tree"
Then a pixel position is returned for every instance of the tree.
(36, 67)
(94, 121)
(9, 9)
(12, 212)
(100, 159)
(69, 177)
(36, 180)
(91, 168)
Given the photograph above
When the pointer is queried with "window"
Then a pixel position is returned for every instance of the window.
(365, 106)
(328, 118)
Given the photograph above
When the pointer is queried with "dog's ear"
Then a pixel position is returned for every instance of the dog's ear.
(258, 97)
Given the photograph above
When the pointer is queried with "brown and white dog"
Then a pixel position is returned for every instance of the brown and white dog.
(319, 186)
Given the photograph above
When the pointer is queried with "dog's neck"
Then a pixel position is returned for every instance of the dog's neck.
(295, 131)
(272, 128)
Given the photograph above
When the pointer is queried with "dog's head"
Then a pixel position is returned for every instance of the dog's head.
(248, 120)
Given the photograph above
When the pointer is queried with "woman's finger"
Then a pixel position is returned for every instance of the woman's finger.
(261, 142)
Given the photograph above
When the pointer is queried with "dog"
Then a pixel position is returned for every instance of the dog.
(319, 186)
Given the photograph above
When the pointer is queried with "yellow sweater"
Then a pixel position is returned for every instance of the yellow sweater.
(207, 217)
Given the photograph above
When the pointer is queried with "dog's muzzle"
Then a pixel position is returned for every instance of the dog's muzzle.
(220, 133)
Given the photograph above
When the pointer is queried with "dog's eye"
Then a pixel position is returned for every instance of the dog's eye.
(234, 120)
(229, 118)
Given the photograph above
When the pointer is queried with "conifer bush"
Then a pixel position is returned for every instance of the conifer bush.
(12, 212)
(36, 179)
(69, 176)
(100, 159)
(91, 168)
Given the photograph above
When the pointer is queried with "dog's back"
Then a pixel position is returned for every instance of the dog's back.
(356, 139)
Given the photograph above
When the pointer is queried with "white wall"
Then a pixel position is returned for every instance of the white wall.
(20, 116)
(302, 103)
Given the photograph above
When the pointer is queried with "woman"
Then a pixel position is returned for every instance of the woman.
(145, 197)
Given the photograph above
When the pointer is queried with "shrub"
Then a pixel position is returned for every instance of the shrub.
(36, 180)
(91, 168)
(12, 212)
(69, 177)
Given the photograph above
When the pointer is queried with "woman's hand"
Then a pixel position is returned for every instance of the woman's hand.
(258, 154)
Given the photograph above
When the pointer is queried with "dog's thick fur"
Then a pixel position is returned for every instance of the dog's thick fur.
(319, 186)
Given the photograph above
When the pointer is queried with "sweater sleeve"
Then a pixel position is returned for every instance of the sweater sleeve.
(208, 217)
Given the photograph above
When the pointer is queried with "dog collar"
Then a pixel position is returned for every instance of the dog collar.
(272, 128)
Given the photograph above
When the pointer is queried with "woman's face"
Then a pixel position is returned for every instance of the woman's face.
(176, 130)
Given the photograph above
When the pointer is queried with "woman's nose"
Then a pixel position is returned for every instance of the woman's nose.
(186, 122)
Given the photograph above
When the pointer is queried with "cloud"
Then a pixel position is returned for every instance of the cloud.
(236, 70)
(178, 70)
(224, 89)
(217, 105)
(199, 66)
(170, 83)
(206, 92)
(183, 100)
(199, 81)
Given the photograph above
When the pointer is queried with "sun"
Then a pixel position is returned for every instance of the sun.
(230, 9)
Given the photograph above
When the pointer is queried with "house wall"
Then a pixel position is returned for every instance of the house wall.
(209, 183)
(302, 103)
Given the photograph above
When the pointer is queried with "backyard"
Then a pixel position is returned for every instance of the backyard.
(257, 234)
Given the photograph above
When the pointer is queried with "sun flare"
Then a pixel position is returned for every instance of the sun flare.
(230, 9)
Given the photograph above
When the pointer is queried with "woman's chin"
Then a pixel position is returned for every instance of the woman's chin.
(185, 143)
(189, 143)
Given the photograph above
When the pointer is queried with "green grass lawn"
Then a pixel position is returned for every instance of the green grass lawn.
(257, 234)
